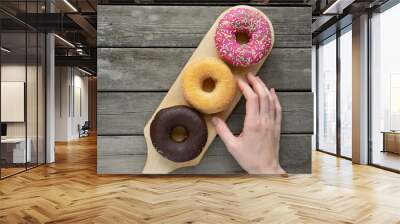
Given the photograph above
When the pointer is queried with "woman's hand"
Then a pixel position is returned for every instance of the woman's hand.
(256, 149)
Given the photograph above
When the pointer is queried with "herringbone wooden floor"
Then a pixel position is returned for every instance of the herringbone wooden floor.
(70, 191)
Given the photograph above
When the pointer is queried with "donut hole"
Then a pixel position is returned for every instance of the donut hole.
(208, 85)
(178, 134)
(242, 37)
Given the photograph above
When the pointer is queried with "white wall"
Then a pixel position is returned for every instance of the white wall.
(13, 100)
(79, 117)
(33, 126)
(62, 81)
(14, 73)
(70, 83)
(17, 73)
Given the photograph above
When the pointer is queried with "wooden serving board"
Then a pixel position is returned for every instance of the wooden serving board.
(157, 164)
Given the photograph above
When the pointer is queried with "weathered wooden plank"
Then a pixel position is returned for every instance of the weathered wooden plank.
(125, 113)
(120, 164)
(126, 155)
(185, 26)
(136, 145)
(155, 69)
(133, 164)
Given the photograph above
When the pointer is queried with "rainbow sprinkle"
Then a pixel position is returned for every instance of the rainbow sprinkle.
(250, 22)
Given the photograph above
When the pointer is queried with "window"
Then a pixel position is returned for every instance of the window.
(334, 72)
(346, 75)
(22, 78)
(385, 89)
(327, 95)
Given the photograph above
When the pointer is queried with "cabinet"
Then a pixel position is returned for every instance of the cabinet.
(391, 142)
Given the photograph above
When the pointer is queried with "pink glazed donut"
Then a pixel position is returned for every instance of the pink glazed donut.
(246, 21)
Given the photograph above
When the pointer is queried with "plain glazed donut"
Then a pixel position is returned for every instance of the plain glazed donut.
(164, 123)
(209, 85)
(256, 26)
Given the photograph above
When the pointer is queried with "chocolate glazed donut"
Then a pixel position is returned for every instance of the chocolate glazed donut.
(164, 123)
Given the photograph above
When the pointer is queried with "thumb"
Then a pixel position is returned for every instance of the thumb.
(223, 131)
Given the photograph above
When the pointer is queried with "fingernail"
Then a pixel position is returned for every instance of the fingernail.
(273, 90)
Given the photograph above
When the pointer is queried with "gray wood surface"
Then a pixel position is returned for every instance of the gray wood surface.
(155, 69)
(127, 113)
(177, 26)
(141, 51)
(127, 154)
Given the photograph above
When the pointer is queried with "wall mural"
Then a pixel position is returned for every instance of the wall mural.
(154, 78)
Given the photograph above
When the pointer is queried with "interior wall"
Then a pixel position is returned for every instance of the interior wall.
(82, 82)
(70, 83)
(135, 73)
(33, 126)
(62, 80)
(16, 73)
